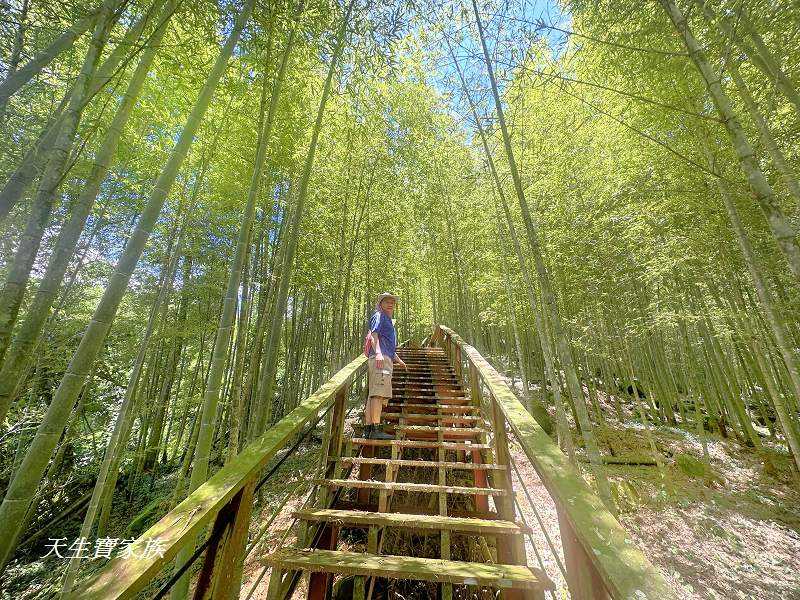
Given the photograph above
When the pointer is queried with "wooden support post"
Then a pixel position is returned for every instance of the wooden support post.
(275, 584)
(383, 495)
(319, 584)
(444, 535)
(221, 574)
(510, 550)
(365, 471)
(583, 580)
(474, 386)
(359, 593)
(360, 582)
(479, 475)
(332, 443)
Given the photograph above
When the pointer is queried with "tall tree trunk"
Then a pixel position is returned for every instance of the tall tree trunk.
(562, 425)
(772, 316)
(106, 481)
(760, 55)
(23, 487)
(14, 288)
(154, 443)
(548, 298)
(20, 353)
(267, 375)
(767, 139)
(220, 352)
(36, 158)
(265, 129)
(17, 78)
(16, 53)
(779, 224)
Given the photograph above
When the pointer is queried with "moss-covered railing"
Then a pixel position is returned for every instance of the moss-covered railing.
(224, 502)
(601, 560)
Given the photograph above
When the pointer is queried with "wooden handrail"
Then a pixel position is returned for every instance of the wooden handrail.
(624, 570)
(124, 577)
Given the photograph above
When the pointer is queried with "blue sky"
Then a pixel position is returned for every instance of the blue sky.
(510, 31)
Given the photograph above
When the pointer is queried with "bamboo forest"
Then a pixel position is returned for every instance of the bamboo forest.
(400, 299)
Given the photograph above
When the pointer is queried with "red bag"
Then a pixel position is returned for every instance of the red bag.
(367, 344)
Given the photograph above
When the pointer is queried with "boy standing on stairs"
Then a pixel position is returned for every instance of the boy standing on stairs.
(380, 346)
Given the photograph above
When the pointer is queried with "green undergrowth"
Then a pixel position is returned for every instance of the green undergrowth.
(731, 475)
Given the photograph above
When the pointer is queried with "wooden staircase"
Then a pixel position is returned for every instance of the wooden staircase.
(446, 476)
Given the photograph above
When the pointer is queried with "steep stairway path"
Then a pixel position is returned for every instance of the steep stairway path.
(430, 514)
(439, 478)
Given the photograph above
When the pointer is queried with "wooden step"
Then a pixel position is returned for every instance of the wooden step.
(408, 567)
(427, 364)
(455, 408)
(397, 462)
(434, 390)
(465, 445)
(396, 486)
(438, 380)
(427, 350)
(455, 399)
(464, 420)
(427, 383)
(361, 518)
(400, 398)
(402, 373)
(463, 431)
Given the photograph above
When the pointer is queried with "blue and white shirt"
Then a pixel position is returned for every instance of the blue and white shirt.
(381, 324)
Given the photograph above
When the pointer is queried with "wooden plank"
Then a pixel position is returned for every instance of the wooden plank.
(319, 583)
(425, 375)
(411, 521)
(445, 589)
(468, 420)
(443, 407)
(625, 571)
(408, 567)
(124, 577)
(466, 445)
(427, 360)
(457, 400)
(446, 430)
(275, 584)
(358, 460)
(425, 383)
(226, 574)
(583, 580)
(408, 487)
(479, 478)
(411, 509)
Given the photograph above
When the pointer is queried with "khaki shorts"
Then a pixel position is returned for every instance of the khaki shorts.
(380, 383)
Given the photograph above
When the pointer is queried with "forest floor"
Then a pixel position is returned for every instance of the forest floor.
(728, 532)
(732, 533)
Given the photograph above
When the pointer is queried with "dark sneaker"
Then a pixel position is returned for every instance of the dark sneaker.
(377, 434)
